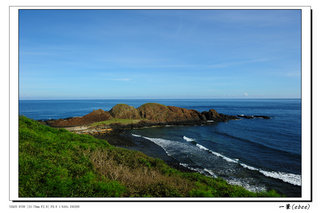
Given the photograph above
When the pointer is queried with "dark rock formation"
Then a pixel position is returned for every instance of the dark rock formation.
(154, 112)
(245, 116)
(223, 117)
(182, 114)
(253, 116)
(94, 116)
(160, 113)
(262, 116)
(124, 111)
(211, 114)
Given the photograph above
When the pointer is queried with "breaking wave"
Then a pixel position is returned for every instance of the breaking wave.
(188, 139)
(294, 179)
(217, 154)
(204, 171)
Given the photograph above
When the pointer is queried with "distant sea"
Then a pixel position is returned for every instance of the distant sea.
(258, 154)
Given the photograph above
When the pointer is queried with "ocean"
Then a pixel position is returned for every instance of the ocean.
(258, 154)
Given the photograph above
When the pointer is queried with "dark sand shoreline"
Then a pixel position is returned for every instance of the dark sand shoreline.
(124, 139)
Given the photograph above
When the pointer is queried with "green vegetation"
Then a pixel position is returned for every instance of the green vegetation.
(153, 105)
(116, 121)
(56, 163)
(124, 111)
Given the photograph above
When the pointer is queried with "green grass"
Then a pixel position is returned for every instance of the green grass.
(116, 121)
(56, 163)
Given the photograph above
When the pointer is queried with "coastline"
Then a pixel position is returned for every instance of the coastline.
(115, 126)
(84, 166)
(124, 139)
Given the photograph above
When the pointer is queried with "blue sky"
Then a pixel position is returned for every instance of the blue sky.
(76, 54)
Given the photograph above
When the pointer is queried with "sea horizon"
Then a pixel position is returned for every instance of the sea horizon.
(157, 99)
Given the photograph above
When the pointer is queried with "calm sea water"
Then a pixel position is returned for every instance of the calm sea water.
(258, 154)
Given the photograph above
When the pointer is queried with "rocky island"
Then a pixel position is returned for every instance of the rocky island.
(123, 116)
(111, 125)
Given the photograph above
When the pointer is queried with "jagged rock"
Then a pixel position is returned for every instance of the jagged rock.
(253, 116)
(262, 116)
(224, 117)
(211, 114)
(245, 116)
(124, 111)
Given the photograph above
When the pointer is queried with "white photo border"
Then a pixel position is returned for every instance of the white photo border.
(306, 112)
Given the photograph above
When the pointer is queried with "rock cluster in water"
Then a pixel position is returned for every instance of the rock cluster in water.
(149, 113)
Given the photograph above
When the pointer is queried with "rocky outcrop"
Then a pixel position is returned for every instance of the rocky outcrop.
(94, 116)
(124, 111)
(182, 114)
(253, 116)
(164, 114)
(262, 116)
(213, 115)
(149, 113)
(154, 112)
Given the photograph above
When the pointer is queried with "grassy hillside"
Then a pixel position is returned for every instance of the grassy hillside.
(57, 163)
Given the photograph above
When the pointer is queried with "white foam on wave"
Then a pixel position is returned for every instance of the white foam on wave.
(184, 165)
(217, 154)
(160, 142)
(210, 172)
(202, 171)
(188, 139)
(293, 179)
(191, 168)
(249, 167)
(163, 143)
(230, 181)
(246, 185)
(202, 147)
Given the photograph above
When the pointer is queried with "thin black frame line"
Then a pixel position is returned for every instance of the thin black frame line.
(311, 93)
(173, 198)
(150, 9)
(18, 94)
(301, 88)
(157, 201)
(159, 6)
(9, 112)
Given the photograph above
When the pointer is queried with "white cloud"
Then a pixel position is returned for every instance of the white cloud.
(121, 79)
(246, 94)
(293, 74)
